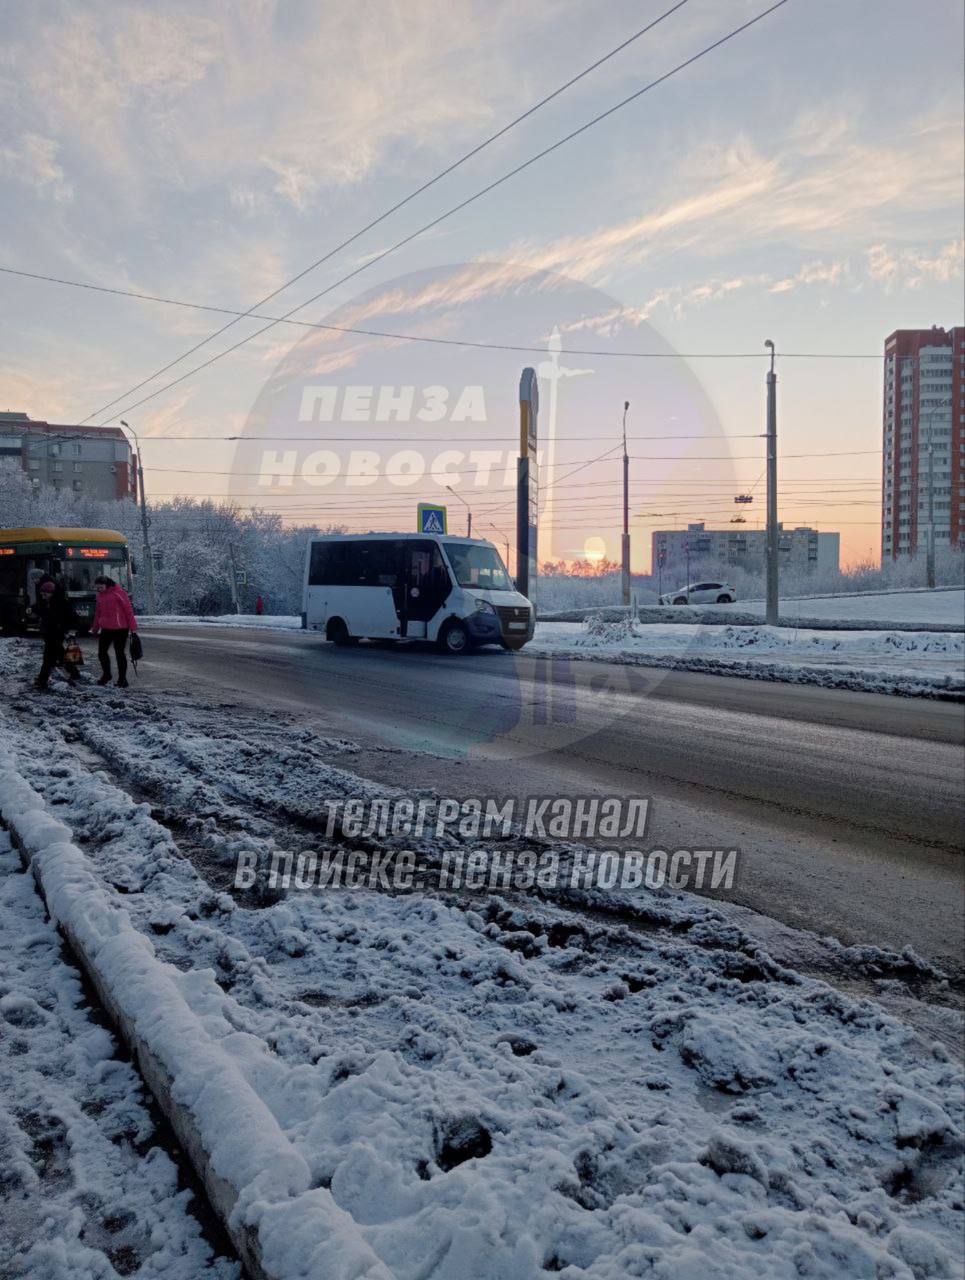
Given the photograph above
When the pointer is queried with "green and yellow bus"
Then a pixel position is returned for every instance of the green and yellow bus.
(73, 557)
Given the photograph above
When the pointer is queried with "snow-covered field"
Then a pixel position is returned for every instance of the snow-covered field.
(488, 1087)
(934, 609)
(908, 662)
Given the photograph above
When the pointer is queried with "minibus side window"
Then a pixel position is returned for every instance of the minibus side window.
(319, 568)
(380, 564)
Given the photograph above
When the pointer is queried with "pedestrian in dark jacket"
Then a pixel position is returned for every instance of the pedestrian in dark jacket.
(113, 622)
(56, 617)
(259, 606)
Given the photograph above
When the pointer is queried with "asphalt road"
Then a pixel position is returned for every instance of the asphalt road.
(847, 807)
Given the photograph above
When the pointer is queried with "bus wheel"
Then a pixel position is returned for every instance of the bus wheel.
(454, 638)
(338, 634)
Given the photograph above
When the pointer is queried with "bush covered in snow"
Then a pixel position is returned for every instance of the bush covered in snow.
(192, 542)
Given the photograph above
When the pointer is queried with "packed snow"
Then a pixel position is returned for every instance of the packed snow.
(499, 1086)
(86, 1192)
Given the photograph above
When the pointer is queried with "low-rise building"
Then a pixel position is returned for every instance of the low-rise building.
(96, 462)
(714, 550)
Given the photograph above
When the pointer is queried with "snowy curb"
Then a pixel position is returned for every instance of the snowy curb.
(257, 1183)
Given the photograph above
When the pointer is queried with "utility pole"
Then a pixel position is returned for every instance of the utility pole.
(625, 543)
(505, 542)
(930, 545)
(148, 558)
(233, 580)
(468, 510)
(771, 612)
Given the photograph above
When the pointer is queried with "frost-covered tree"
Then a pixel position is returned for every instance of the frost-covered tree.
(195, 543)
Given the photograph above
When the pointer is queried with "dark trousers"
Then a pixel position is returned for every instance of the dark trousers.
(105, 641)
(54, 657)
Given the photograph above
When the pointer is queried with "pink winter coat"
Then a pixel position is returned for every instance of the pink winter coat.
(113, 611)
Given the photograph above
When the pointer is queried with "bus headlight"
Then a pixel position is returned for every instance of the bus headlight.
(484, 606)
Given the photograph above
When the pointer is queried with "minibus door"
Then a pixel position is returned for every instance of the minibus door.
(427, 587)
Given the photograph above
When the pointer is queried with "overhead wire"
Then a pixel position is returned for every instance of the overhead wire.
(428, 226)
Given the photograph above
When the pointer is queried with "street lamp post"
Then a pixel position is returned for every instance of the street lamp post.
(148, 559)
(468, 509)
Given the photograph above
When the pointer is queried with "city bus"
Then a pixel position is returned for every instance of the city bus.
(73, 557)
(452, 591)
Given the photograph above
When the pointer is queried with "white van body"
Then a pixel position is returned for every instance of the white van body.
(404, 586)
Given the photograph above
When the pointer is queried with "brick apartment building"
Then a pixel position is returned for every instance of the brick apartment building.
(923, 408)
(96, 462)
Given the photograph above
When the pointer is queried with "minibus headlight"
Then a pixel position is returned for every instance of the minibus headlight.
(483, 606)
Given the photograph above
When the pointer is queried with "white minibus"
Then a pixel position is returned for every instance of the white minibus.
(402, 586)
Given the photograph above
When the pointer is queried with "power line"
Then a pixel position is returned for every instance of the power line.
(521, 348)
(475, 151)
(643, 457)
(406, 439)
(603, 115)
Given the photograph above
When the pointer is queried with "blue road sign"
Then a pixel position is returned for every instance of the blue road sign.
(432, 519)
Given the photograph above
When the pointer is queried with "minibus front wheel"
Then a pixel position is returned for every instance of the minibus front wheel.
(453, 638)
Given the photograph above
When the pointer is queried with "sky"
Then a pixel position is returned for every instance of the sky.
(803, 183)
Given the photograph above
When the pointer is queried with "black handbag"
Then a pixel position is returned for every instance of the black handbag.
(137, 649)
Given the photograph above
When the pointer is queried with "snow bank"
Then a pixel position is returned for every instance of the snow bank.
(266, 622)
(282, 1226)
(924, 663)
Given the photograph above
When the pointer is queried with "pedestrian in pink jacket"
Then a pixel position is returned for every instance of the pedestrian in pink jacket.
(113, 622)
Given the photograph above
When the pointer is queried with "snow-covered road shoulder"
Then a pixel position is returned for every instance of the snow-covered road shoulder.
(923, 663)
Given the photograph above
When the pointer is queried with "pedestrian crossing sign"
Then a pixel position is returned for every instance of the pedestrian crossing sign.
(432, 519)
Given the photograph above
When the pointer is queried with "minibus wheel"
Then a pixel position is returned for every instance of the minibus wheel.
(338, 633)
(514, 644)
(454, 638)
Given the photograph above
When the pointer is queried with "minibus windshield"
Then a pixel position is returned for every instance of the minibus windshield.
(476, 566)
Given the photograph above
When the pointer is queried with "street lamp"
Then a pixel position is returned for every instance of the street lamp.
(468, 509)
(148, 560)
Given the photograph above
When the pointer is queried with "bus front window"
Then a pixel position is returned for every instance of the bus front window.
(478, 566)
(81, 574)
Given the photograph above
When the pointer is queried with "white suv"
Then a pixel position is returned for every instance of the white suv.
(701, 593)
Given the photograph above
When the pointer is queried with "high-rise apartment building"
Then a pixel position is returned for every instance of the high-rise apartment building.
(923, 455)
